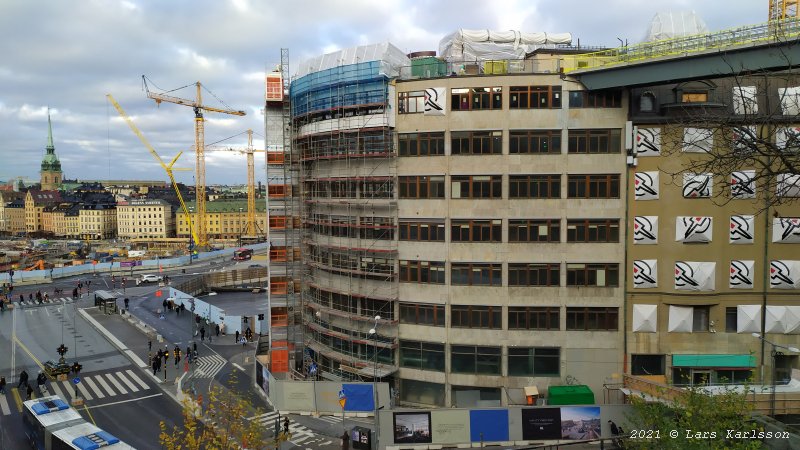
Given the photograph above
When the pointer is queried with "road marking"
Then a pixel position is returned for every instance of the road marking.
(56, 389)
(94, 387)
(116, 383)
(38, 363)
(84, 391)
(137, 379)
(131, 386)
(105, 385)
(126, 401)
(4, 405)
(238, 367)
(89, 413)
(17, 399)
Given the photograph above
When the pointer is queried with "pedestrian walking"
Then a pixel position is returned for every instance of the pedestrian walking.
(216, 329)
(28, 391)
(74, 293)
(202, 333)
(177, 354)
(166, 354)
(126, 303)
(2, 385)
(189, 354)
(164, 304)
(237, 335)
(41, 380)
(194, 347)
(21, 298)
(244, 341)
(23, 379)
(155, 366)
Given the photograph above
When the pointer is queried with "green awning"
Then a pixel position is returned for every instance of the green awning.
(712, 360)
(576, 394)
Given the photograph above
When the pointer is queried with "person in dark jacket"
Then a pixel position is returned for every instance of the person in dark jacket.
(23, 379)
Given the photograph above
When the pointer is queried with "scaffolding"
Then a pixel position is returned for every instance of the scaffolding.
(343, 127)
(284, 224)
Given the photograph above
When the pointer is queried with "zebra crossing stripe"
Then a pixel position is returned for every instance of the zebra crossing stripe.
(4, 406)
(137, 379)
(94, 387)
(331, 419)
(116, 383)
(131, 386)
(56, 389)
(84, 391)
(105, 385)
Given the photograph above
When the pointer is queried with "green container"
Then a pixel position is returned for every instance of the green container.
(428, 67)
(578, 394)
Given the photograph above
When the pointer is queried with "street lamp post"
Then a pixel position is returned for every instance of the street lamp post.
(374, 333)
(241, 229)
(774, 353)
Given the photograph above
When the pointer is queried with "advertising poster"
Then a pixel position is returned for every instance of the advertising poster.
(541, 423)
(488, 425)
(580, 422)
(412, 427)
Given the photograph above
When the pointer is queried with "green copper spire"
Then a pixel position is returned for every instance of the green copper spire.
(50, 162)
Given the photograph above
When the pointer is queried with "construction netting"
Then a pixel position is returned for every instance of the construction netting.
(483, 45)
(391, 58)
(668, 25)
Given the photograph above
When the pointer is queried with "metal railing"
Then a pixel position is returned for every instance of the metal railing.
(773, 31)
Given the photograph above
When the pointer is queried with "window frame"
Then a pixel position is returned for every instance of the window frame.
(433, 187)
(433, 361)
(546, 186)
(422, 272)
(550, 272)
(594, 141)
(412, 229)
(483, 142)
(603, 185)
(607, 316)
(549, 139)
(429, 314)
(479, 317)
(405, 100)
(476, 98)
(476, 229)
(479, 354)
(589, 271)
(494, 274)
(533, 317)
(551, 358)
(422, 143)
(606, 98)
(546, 97)
(531, 225)
(477, 184)
(584, 227)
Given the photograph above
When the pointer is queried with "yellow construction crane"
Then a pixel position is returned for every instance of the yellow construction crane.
(167, 167)
(251, 225)
(199, 145)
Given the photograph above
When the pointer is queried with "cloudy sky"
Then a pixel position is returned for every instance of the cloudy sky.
(67, 55)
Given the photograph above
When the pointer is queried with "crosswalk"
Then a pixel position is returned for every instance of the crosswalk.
(208, 366)
(49, 301)
(91, 387)
(301, 435)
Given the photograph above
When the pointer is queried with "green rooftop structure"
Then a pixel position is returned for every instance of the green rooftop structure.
(578, 394)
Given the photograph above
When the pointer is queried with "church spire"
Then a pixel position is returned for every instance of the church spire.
(51, 149)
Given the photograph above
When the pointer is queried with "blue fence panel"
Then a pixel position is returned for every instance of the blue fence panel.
(359, 397)
(488, 425)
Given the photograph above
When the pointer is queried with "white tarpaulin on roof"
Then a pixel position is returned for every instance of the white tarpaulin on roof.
(748, 319)
(473, 45)
(680, 319)
(667, 25)
(392, 57)
(645, 318)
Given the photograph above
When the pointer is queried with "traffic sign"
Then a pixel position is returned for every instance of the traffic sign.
(342, 402)
(76, 380)
(312, 369)
(341, 394)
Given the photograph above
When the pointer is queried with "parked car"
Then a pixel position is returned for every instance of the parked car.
(150, 278)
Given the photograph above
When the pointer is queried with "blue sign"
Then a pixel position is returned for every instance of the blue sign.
(341, 394)
(312, 369)
(76, 380)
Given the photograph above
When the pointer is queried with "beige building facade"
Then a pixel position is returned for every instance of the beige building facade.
(145, 218)
(225, 219)
(97, 222)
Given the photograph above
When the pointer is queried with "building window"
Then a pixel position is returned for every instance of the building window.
(534, 142)
(700, 318)
(593, 186)
(694, 97)
(595, 99)
(421, 231)
(429, 272)
(468, 316)
(522, 274)
(592, 230)
(534, 186)
(476, 186)
(603, 274)
(422, 314)
(411, 102)
(731, 319)
(648, 365)
(534, 318)
(594, 141)
(475, 360)
(534, 230)
(422, 392)
(476, 230)
(476, 142)
(476, 274)
(592, 319)
(421, 144)
(421, 186)
(534, 361)
(647, 102)
(422, 355)
(479, 98)
(534, 97)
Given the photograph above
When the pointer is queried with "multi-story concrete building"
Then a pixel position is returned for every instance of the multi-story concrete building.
(6, 198)
(481, 222)
(64, 219)
(97, 221)
(145, 218)
(35, 203)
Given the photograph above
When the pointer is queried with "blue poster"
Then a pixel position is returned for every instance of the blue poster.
(359, 397)
(493, 423)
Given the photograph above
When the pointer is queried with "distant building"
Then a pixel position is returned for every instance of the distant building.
(98, 221)
(35, 203)
(51, 174)
(145, 218)
(225, 219)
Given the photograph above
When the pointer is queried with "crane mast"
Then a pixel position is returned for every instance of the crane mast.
(199, 145)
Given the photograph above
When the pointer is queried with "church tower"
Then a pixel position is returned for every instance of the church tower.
(51, 174)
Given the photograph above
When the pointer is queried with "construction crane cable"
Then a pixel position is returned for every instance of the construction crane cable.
(215, 96)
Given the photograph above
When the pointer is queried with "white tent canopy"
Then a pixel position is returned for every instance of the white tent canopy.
(391, 57)
(667, 25)
(473, 45)
(645, 318)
